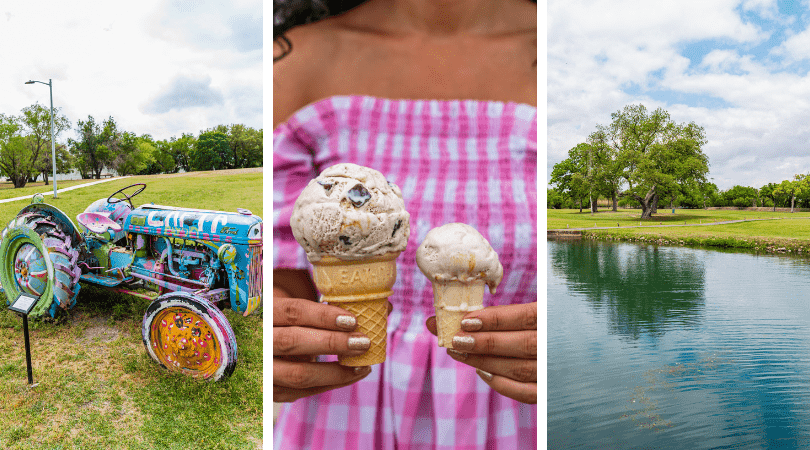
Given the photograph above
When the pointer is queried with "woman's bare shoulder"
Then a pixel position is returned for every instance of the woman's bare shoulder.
(303, 53)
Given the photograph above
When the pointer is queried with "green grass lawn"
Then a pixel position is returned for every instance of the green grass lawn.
(98, 389)
(789, 233)
(206, 190)
(572, 218)
(7, 189)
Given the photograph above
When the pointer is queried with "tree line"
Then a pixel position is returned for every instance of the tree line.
(793, 193)
(25, 148)
(641, 158)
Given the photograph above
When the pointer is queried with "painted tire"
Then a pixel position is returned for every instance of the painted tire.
(37, 258)
(188, 335)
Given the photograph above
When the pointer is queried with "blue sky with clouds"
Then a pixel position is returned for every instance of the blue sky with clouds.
(158, 67)
(740, 69)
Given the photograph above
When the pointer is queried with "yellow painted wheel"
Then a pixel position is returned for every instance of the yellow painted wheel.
(188, 335)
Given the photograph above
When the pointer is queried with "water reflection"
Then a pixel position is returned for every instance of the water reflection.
(643, 289)
(676, 348)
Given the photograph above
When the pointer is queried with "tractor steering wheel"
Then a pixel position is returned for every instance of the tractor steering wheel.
(128, 198)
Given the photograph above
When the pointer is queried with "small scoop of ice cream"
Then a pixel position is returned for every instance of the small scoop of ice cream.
(458, 252)
(350, 212)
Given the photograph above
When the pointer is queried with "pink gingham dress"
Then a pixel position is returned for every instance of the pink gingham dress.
(455, 161)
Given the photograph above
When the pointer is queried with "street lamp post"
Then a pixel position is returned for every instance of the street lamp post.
(53, 143)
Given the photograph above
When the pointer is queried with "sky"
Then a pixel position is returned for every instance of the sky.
(739, 69)
(158, 67)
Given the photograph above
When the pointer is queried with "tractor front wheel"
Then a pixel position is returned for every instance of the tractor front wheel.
(189, 335)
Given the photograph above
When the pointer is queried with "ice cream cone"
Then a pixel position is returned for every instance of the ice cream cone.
(452, 301)
(361, 287)
(352, 223)
(459, 262)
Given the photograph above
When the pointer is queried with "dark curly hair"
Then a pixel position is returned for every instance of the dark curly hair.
(291, 13)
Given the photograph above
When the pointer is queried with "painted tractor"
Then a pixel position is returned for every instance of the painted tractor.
(189, 263)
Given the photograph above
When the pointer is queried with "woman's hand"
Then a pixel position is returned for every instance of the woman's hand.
(501, 342)
(303, 329)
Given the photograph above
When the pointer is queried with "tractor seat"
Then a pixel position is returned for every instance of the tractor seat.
(97, 223)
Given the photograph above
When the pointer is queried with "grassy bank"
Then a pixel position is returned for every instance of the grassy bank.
(98, 389)
(762, 231)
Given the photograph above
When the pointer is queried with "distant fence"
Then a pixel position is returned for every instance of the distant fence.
(758, 208)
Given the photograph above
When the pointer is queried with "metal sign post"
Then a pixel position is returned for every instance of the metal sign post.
(23, 305)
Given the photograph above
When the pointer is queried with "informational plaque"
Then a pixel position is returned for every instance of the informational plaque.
(24, 303)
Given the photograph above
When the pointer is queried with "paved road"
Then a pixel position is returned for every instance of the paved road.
(59, 191)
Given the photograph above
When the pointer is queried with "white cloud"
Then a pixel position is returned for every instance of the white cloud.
(184, 92)
(767, 9)
(796, 47)
(209, 25)
(605, 55)
(113, 58)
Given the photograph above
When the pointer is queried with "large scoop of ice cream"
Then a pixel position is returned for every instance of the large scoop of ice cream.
(350, 212)
(458, 252)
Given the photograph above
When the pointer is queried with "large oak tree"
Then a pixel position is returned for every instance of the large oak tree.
(656, 157)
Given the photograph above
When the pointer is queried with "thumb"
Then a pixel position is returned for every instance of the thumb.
(430, 323)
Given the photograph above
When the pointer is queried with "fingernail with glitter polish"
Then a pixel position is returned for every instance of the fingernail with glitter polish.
(455, 354)
(346, 322)
(463, 342)
(485, 375)
(359, 343)
(471, 324)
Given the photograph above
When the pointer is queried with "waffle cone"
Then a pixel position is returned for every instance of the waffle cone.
(452, 301)
(362, 288)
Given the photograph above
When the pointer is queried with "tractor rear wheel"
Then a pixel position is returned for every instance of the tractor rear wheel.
(189, 335)
(37, 257)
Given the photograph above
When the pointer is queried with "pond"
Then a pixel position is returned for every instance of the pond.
(668, 347)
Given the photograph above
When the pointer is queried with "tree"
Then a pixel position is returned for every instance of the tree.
(97, 146)
(708, 192)
(769, 191)
(26, 141)
(36, 122)
(590, 178)
(657, 157)
(803, 188)
(134, 155)
(799, 187)
(16, 159)
(162, 159)
(739, 196)
(697, 195)
(15, 151)
(606, 166)
(9, 127)
(554, 200)
(181, 149)
(244, 146)
(209, 151)
(569, 176)
(786, 188)
(64, 162)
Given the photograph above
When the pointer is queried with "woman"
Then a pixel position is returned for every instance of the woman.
(440, 97)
